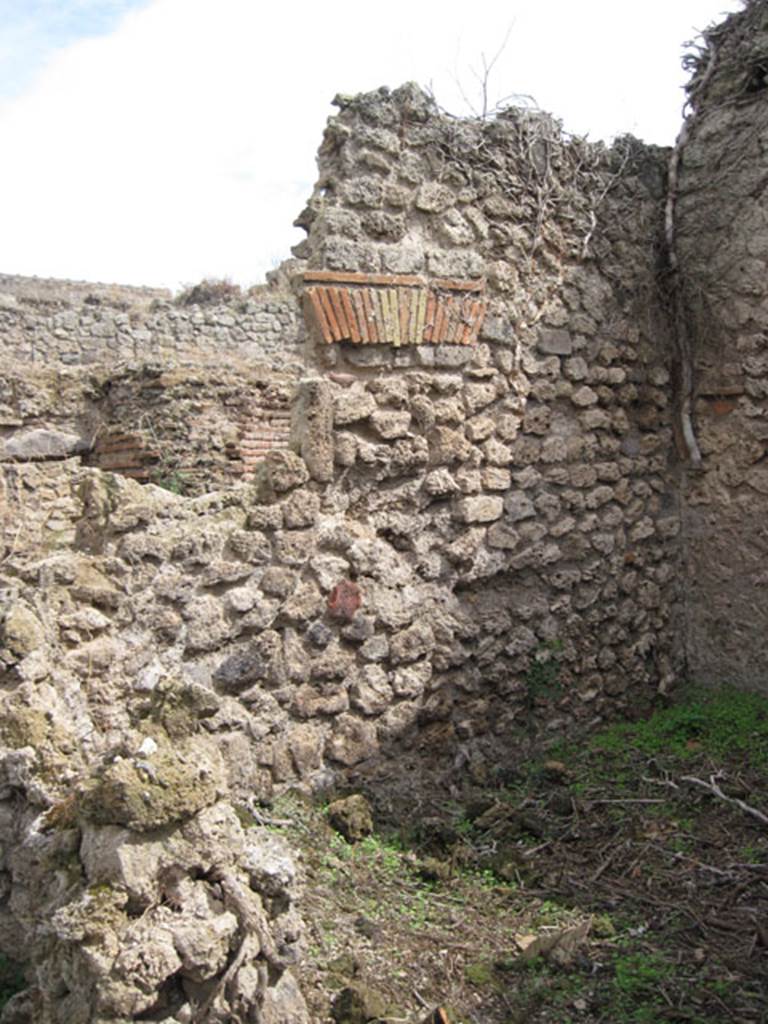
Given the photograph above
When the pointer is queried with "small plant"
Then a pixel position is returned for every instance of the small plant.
(542, 680)
(174, 481)
(209, 292)
(11, 979)
(384, 855)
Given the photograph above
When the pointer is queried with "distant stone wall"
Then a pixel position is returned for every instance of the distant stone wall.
(74, 324)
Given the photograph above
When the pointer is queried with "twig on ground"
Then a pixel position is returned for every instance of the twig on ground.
(713, 788)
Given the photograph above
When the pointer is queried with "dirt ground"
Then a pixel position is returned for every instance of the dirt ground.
(622, 881)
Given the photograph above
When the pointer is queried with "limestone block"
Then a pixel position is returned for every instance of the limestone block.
(518, 506)
(447, 446)
(306, 746)
(584, 397)
(309, 702)
(480, 428)
(495, 478)
(352, 405)
(352, 740)
(376, 648)
(280, 472)
(370, 691)
(312, 427)
(454, 228)
(503, 536)
(364, 191)
(268, 860)
(412, 680)
(176, 782)
(42, 443)
(203, 949)
(440, 483)
(21, 631)
(301, 509)
(478, 396)
(277, 581)
(390, 425)
(480, 509)
(412, 643)
(555, 342)
(207, 626)
(283, 1002)
(433, 197)
(332, 663)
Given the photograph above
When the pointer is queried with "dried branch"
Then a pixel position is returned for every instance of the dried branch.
(713, 788)
(680, 333)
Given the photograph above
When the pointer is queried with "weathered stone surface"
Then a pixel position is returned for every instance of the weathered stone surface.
(171, 785)
(42, 444)
(389, 424)
(555, 342)
(280, 472)
(370, 691)
(455, 509)
(352, 741)
(412, 643)
(352, 817)
(313, 427)
(480, 510)
(352, 405)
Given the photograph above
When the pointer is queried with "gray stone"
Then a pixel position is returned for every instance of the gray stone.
(352, 405)
(518, 506)
(584, 397)
(352, 741)
(434, 198)
(555, 342)
(390, 425)
(42, 444)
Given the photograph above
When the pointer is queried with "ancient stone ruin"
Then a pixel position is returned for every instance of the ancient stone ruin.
(485, 463)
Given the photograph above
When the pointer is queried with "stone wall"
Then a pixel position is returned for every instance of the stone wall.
(721, 237)
(472, 544)
(530, 472)
(75, 324)
(189, 428)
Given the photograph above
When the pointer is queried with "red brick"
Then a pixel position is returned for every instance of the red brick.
(344, 600)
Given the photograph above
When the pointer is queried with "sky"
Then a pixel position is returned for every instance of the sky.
(159, 142)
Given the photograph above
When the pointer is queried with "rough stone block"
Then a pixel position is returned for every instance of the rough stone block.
(390, 425)
(480, 509)
(433, 197)
(554, 341)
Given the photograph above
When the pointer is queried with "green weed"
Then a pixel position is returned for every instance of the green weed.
(11, 979)
(542, 680)
(720, 724)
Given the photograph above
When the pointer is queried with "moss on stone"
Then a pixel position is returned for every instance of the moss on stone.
(23, 726)
(176, 782)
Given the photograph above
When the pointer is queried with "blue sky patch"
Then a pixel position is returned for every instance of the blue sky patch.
(33, 30)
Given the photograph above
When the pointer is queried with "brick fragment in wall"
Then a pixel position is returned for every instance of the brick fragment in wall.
(393, 309)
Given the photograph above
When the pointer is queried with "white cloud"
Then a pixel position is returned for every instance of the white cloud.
(182, 145)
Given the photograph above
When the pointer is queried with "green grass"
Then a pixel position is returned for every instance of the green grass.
(11, 979)
(723, 724)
